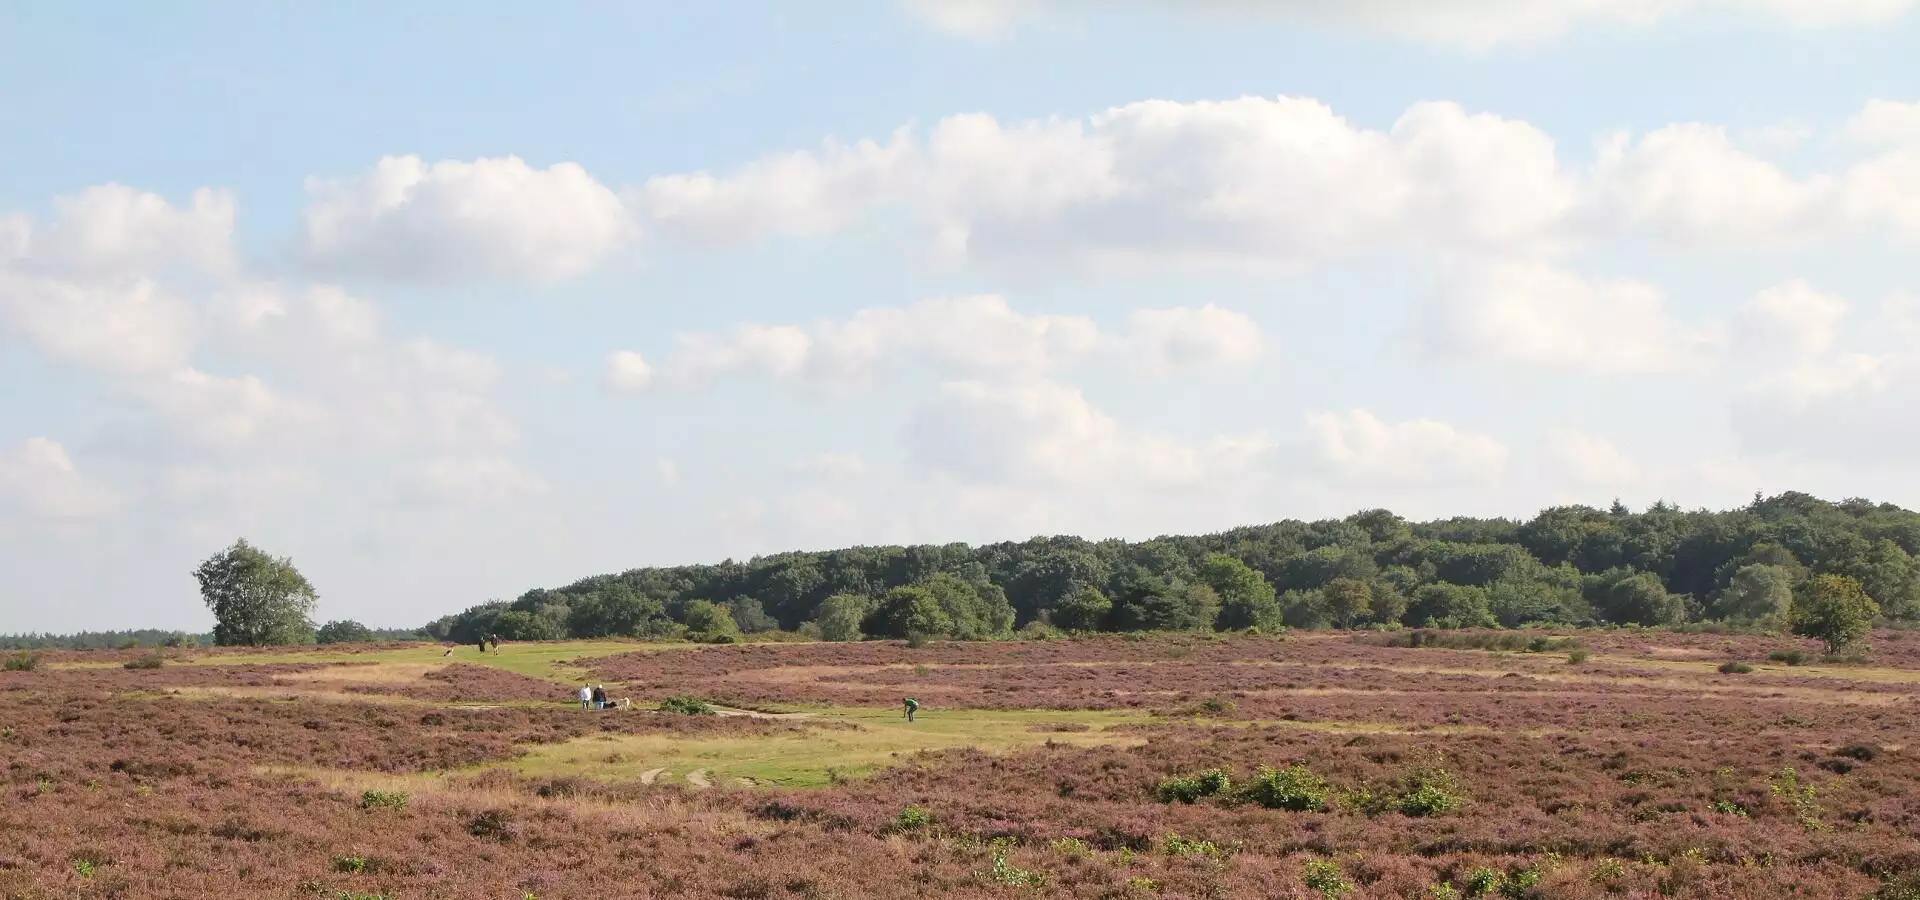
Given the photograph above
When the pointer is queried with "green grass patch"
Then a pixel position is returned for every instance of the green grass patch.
(816, 757)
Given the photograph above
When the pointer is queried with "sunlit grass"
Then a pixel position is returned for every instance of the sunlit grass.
(812, 756)
(542, 660)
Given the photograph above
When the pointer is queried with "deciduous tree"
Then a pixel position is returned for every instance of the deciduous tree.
(257, 599)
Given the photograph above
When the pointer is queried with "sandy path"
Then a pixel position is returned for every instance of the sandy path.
(650, 775)
(698, 778)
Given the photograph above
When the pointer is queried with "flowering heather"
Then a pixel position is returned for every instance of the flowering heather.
(1642, 772)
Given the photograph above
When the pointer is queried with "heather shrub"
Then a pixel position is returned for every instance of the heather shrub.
(1325, 876)
(148, 661)
(1295, 788)
(1191, 788)
(688, 705)
(22, 662)
(913, 818)
(1861, 752)
(1735, 667)
(1790, 657)
(1175, 845)
(383, 800)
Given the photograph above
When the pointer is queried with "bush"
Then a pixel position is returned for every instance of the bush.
(1190, 788)
(1324, 875)
(1790, 657)
(917, 639)
(686, 704)
(1735, 667)
(1295, 788)
(913, 818)
(1577, 657)
(148, 661)
(383, 800)
(1430, 792)
(23, 662)
(1861, 752)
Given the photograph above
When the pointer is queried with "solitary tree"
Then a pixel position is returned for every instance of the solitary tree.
(1834, 609)
(839, 617)
(344, 631)
(256, 599)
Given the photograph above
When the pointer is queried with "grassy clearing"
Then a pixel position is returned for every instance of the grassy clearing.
(814, 757)
(548, 661)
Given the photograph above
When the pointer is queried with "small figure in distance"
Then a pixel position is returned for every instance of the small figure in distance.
(494, 639)
(586, 697)
(913, 706)
(599, 696)
(483, 645)
(447, 654)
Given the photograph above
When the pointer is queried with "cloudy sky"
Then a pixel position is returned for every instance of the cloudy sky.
(448, 301)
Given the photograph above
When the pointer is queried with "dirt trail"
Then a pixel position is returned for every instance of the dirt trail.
(650, 775)
(698, 778)
(752, 714)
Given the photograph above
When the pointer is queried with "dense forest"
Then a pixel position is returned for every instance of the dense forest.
(1570, 565)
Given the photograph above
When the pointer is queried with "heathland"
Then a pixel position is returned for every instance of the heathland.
(1567, 764)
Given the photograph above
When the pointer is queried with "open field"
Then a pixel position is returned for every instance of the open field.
(1033, 769)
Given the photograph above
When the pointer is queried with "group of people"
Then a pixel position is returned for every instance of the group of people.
(595, 697)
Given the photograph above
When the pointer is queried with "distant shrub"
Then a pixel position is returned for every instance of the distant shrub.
(913, 818)
(1790, 657)
(1072, 847)
(1429, 791)
(1040, 631)
(146, 661)
(1506, 641)
(1577, 657)
(1324, 875)
(1861, 752)
(350, 864)
(383, 800)
(1295, 788)
(1007, 873)
(1735, 667)
(1844, 659)
(22, 662)
(1442, 891)
(1175, 845)
(917, 639)
(1191, 788)
(686, 704)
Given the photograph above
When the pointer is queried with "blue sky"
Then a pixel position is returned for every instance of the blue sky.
(478, 298)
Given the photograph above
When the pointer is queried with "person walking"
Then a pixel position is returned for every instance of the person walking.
(586, 697)
(913, 706)
(599, 696)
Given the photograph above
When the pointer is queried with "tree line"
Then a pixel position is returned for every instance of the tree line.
(1567, 566)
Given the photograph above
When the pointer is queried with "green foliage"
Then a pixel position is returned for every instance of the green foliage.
(256, 599)
(907, 611)
(1577, 657)
(1191, 788)
(1325, 876)
(840, 615)
(520, 625)
(145, 661)
(22, 661)
(1175, 845)
(1442, 605)
(351, 865)
(1789, 657)
(1757, 593)
(1639, 599)
(1083, 609)
(1735, 667)
(1007, 873)
(1429, 791)
(913, 818)
(383, 800)
(751, 615)
(687, 705)
(1246, 599)
(343, 631)
(1834, 609)
(1295, 788)
(709, 622)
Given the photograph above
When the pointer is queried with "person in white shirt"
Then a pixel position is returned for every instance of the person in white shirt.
(586, 697)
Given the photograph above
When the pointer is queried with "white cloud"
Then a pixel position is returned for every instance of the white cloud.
(127, 326)
(1470, 24)
(797, 193)
(112, 229)
(1885, 122)
(1789, 320)
(1590, 459)
(833, 466)
(1690, 183)
(39, 484)
(1357, 446)
(472, 481)
(667, 469)
(1182, 337)
(627, 371)
(453, 220)
(1543, 316)
(1043, 432)
(980, 335)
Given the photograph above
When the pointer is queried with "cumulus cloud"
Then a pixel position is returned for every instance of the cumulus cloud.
(127, 326)
(627, 371)
(1691, 183)
(1470, 24)
(1788, 321)
(798, 193)
(112, 229)
(1541, 315)
(39, 484)
(1358, 446)
(1885, 122)
(1590, 459)
(1183, 337)
(1041, 432)
(454, 220)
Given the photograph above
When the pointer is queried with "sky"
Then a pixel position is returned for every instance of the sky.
(446, 301)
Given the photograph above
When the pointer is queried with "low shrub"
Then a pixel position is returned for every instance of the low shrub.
(1735, 667)
(687, 705)
(147, 661)
(1429, 791)
(1861, 752)
(1790, 657)
(383, 800)
(1294, 788)
(913, 818)
(1191, 788)
(1577, 657)
(22, 662)
(1325, 876)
